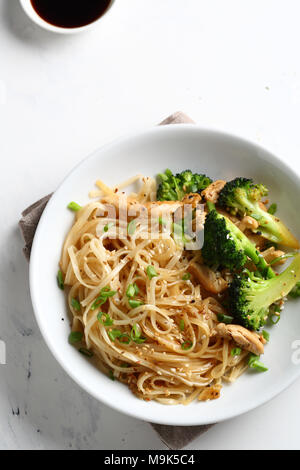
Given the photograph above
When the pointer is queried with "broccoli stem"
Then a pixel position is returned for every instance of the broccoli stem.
(251, 251)
(270, 226)
(268, 292)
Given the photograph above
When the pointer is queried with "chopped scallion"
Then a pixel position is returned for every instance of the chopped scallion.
(186, 345)
(131, 227)
(151, 272)
(105, 319)
(135, 303)
(108, 226)
(60, 280)
(73, 206)
(86, 352)
(186, 277)
(254, 363)
(272, 209)
(114, 334)
(75, 337)
(266, 335)
(76, 305)
(181, 325)
(227, 319)
(236, 352)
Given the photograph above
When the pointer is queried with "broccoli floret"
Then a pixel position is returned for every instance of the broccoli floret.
(251, 298)
(295, 292)
(175, 187)
(242, 196)
(225, 245)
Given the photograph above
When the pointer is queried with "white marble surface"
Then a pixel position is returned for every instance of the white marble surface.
(231, 65)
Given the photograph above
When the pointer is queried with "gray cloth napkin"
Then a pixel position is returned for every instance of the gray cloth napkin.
(175, 437)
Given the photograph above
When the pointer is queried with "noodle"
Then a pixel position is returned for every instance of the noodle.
(164, 348)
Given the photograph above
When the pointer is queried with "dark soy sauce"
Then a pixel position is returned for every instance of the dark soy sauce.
(70, 13)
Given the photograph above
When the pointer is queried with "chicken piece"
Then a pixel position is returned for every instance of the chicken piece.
(192, 198)
(211, 193)
(248, 340)
(248, 222)
(270, 254)
(210, 393)
(211, 281)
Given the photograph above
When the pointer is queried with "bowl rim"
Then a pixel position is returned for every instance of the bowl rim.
(267, 156)
(37, 19)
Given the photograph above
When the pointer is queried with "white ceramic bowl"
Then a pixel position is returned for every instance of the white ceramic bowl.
(34, 16)
(177, 147)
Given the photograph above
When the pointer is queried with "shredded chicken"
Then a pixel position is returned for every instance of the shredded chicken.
(248, 222)
(211, 193)
(248, 340)
(210, 393)
(213, 282)
(192, 198)
(270, 254)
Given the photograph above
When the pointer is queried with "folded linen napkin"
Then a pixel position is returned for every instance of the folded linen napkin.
(175, 437)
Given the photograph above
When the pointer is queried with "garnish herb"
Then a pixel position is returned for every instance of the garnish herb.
(124, 339)
(73, 206)
(76, 305)
(108, 226)
(186, 277)
(105, 319)
(225, 318)
(186, 345)
(60, 280)
(151, 272)
(266, 335)
(272, 209)
(131, 227)
(135, 303)
(105, 293)
(111, 375)
(255, 363)
(113, 334)
(86, 352)
(75, 337)
(136, 334)
(130, 292)
(181, 325)
(236, 352)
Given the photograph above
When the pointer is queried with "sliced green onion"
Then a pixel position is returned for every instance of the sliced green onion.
(105, 319)
(255, 363)
(76, 305)
(161, 221)
(224, 318)
(186, 345)
(60, 280)
(272, 209)
(111, 375)
(181, 325)
(266, 335)
(124, 365)
(103, 296)
(135, 334)
(73, 206)
(186, 277)
(131, 227)
(288, 255)
(295, 292)
(151, 272)
(236, 352)
(75, 337)
(136, 289)
(130, 292)
(108, 226)
(86, 352)
(124, 339)
(114, 334)
(135, 303)
(277, 318)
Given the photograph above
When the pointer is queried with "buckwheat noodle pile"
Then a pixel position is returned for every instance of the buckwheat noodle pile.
(150, 328)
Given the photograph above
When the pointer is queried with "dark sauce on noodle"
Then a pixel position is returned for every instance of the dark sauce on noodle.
(70, 13)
